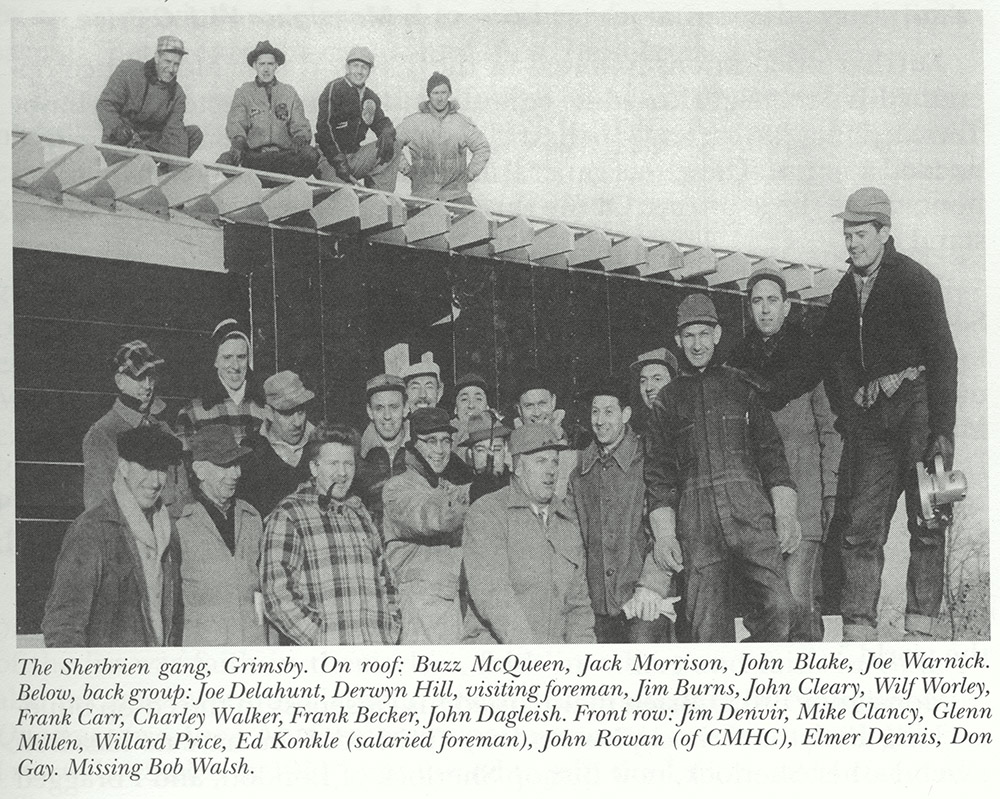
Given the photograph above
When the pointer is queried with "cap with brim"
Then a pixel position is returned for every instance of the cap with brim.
(284, 391)
(385, 383)
(151, 447)
(471, 379)
(531, 438)
(265, 48)
(696, 309)
(660, 355)
(170, 44)
(607, 386)
(424, 421)
(135, 359)
(361, 54)
(867, 205)
(216, 444)
(482, 427)
(422, 369)
(766, 273)
(530, 380)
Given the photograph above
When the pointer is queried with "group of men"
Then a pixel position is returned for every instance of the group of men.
(143, 107)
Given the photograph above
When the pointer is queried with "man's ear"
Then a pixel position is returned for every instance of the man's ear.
(883, 233)
(626, 414)
(677, 340)
(717, 334)
(368, 410)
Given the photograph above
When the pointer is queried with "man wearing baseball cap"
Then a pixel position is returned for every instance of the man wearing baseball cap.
(524, 556)
(267, 125)
(220, 547)
(382, 453)
(424, 513)
(892, 375)
(134, 368)
(143, 104)
(348, 109)
(775, 352)
(721, 500)
(117, 579)
(276, 466)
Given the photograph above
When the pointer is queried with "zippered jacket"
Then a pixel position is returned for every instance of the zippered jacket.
(345, 118)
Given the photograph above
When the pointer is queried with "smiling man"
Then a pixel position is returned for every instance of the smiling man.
(143, 106)
(721, 500)
(382, 452)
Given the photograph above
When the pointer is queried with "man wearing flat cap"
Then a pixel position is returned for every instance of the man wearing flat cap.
(524, 556)
(143, 104)
(424, 513)
(439, 139)
(267, 125)
(220, 547)
(382, 453)
(276, 466)
(117, 579)
(774, 354)
(892, 376)
(721, 500)
(348, 109)
(134, 367)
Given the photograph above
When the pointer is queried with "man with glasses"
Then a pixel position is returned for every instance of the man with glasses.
(424, 514)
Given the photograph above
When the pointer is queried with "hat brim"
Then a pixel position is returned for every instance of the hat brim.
(555, 445)
(637, 366)
(699, 321)
(253, 55)
(228, 458)
(297, 401)
(500, 431)
(854, 216)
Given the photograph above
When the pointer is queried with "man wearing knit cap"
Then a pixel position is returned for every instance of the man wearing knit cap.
(117, 579)
(892, 377)
(135, 373)
(143, 104)
(424, 513)
(382, 453)
(721, 499)
(267, 125)
(774, 354)
(348, 109)
(230, 392)
(439, 139)
(277, 466)
(524, 557)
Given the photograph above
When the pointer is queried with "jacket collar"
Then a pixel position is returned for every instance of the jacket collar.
(417, 463)
(425, 108)
(687, 370)
(309, 491)
(623, 453)
(370, 439)
(215, 393)
(517, 498)
(149, 71)
(133, 417)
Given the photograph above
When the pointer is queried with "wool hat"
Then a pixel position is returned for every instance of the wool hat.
(430, 420)
(216, 443)
(361, 54)
(659, 355)
(284, 391)
(867, 205)
(530, 438)
(265, 48)
(385, 383)
(606, 386)
(767, 273)
(170, 44)
(227, 329)
(151, 447)
(696, 308)
(482, 427)
(436, 80)
(530, 379)
(135, 358)
(471, 379)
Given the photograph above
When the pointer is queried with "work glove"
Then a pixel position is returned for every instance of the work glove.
(300, 144)
(939, 444)
(404, 166)
(339, 165)
(386, 145)
(666, 548)
(786, 518)
(236, 150)
(122, 135)
(648, 605)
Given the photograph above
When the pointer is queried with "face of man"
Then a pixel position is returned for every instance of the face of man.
(218, 483)
(537, 471)
(608, 419)
(865, 244)
(289, 426)
(698, 343)
(264, 66)
(481, 451)
(385, 409)
(470, 400)
(231, 363)
(537, 406)
(768, 307)
(167, 65)
(334, 470)
(358, 72)
(423, 391)
(435, 449)
(439, 97)
(139, 388)
(652, 378)
(144, 484)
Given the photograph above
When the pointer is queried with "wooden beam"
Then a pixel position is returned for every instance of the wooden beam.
(183, 185)
(339, 207)
(27, 156)
(697, 263)
(471, 230)
(280, 202)
(590, 247)
(78, 166)
(663, 258)
(556, 239)
(236, 193)
(512, 240)
(824, 282)
(430, 223)
(381, 212)
(798, 277)
(729, 269)
(630, 253)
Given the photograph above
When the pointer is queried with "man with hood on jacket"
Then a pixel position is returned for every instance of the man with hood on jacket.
(439, 138)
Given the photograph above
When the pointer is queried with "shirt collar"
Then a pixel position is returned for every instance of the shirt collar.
(623, 452)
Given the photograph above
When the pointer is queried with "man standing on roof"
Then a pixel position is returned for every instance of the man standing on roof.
(888, 346)
(439, 138)
(267, 125)
(143, 104)
(771, 353)
(347, 110)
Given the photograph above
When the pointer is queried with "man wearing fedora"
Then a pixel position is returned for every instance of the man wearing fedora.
(117, 578)
(892, 363)
(276, 466)
(348, 109)
(267, 125)
(143, 105)
(774, 353)
(523, 553)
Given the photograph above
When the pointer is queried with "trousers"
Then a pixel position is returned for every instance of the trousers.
(364, 165)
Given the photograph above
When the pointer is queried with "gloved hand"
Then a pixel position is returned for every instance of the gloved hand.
(300, 144)
(786, 517)
(236, 149)
(339, 165)
(666, 548)
(828, 509)
(386, 145)
(939, 444)
(122, 135)
(404, 166)
(644, 603)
